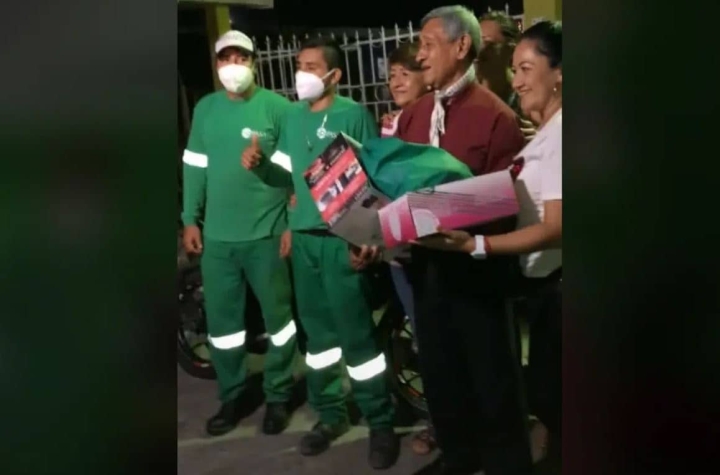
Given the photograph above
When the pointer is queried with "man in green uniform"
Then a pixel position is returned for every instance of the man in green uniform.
(332, 297)
(244, 223)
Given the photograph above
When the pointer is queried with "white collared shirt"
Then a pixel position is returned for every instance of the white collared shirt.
(539, 181)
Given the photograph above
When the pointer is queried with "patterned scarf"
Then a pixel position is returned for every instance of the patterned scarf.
(437, 119)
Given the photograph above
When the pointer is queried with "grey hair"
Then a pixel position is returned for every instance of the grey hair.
(458, 20)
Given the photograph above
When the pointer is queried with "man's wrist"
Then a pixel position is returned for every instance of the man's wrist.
(189, 221)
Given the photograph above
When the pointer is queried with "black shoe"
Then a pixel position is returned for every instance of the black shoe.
(319, 438)
(226, 419)
(277, 418)
(384, 448)
(440, 467)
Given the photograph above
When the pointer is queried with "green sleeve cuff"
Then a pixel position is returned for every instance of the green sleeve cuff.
(189, 220)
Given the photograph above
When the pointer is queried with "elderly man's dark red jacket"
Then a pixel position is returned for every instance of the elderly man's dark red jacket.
(480, 130)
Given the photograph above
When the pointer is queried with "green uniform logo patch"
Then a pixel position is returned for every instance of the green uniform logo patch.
(247, 132)
(322, 133)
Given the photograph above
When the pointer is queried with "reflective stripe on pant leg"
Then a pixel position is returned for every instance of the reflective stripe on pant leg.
(283, 336)
(369, 369)
(224, 287)
(324, 375)
(269, 278)
(324, 359)
(353, 321)
(228, 342)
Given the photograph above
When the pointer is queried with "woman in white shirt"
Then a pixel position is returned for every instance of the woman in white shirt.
(537, 65)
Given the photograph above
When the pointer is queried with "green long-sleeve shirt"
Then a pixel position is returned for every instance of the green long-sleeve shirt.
(303, 137)
(234, 203)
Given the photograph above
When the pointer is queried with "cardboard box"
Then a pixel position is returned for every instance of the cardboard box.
(346, 200)
(360, 214)
(456, 205)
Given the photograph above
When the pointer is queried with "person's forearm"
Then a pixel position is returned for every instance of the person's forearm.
(278, 177)
(537, 237)
(194, 182)
(273, 175)
(192, 211)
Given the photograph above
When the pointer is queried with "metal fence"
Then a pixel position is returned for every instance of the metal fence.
(365, 73)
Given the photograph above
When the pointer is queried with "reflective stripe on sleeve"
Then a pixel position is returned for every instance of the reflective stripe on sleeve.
(195, 159)
(324, 359)
(228, 342)
(282, 159)
(369, 369)
(284, 335)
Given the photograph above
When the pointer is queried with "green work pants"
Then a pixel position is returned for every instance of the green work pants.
(334, 309)
(227, 268)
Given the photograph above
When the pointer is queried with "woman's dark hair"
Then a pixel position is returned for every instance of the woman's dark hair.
(404, 55)
(508, 26)
(548, 40)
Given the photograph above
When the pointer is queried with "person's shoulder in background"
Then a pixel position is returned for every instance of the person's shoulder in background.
(209, 99)
(272, 97)
(347, 105)
(482, 102)
(424, 105)
(294, 110)
(414, 122)
(485, 100)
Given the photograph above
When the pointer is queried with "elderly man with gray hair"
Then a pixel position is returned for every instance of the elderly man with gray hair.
(469, 368)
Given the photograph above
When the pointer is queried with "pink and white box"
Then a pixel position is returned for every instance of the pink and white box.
(470, 202)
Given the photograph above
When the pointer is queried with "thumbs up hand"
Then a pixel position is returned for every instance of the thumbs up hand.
(252, 154)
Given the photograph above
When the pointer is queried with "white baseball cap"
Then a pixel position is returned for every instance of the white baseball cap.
(234, 38)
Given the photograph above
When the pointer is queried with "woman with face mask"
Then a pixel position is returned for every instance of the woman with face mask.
(538, 82)
(243, 221)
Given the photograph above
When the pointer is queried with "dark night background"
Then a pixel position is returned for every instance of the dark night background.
(296, 17)
(88, 343)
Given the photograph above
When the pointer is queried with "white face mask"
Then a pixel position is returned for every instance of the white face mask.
(308, 86)
(235, 78)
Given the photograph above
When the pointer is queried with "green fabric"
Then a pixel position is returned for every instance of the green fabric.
(306, 134)
(396, 167)
(333, 306)
(233, 202)
(227, 268)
